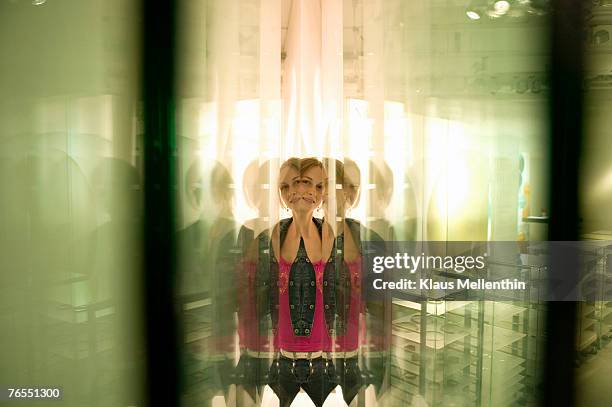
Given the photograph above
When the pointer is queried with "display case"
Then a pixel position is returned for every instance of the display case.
(436, 351)
(81, 337)
(472, 353)
(604, 307)
(594, 312)
(517, 332)
(592, 290)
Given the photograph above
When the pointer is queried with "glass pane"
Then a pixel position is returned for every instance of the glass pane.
(70, 160)
(468, 82)
(426, 121)
(594, 317)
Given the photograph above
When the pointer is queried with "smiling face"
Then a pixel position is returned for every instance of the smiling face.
(301, 192)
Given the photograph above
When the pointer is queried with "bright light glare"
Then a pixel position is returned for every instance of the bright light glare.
(604, 185)
(360, 127)
(448, 163)
(454, 187)
(398, 152)
(245, 132)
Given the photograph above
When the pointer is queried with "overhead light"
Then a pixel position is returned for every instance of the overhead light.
(472, 15)
(501, 7)
(476, 9)
(38, 2)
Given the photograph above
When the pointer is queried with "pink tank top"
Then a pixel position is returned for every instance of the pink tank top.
(319, 338)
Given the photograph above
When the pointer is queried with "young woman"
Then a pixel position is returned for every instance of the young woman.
(302, 287)
(291, 289)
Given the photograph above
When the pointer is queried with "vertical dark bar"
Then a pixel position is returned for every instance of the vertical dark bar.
(159, 147)
(566, 74)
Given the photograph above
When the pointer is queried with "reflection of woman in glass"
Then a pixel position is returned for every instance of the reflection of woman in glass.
(380, 191)
(255, 345)
(362, 320)
(206, 260)
(294, 285)
(256, 182)
(348, 291)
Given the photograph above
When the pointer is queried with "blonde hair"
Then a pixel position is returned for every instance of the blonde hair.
(301, 165)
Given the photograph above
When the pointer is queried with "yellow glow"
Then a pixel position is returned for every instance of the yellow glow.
(398, 153)
(454, 187)
(245, 132)
(208, 131)
(359, 129)
(604, 185)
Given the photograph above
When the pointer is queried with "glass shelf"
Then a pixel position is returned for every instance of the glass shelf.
(433, 308)
(496, 338)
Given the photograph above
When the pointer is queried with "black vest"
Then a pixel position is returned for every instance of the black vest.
(302, 283)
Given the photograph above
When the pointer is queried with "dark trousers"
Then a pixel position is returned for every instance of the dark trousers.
(315, 376)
